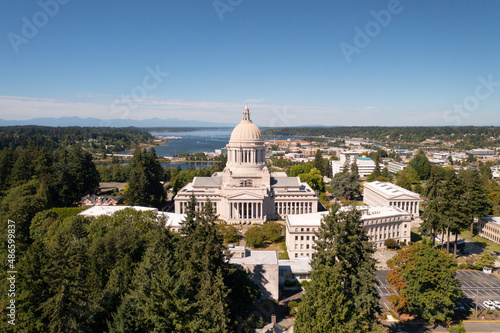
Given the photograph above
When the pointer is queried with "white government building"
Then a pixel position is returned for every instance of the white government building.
(246, 192)
(388, 194)
(365, 164)
(381, 223)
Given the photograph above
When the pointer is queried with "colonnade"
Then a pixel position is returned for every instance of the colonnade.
(246, 210)
(286, 207)
(247, 155)
(408, 206)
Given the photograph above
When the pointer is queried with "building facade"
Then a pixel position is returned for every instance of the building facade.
(246, 192)
(365, 164)
(388, 194)
(489, 228)
(381, 223)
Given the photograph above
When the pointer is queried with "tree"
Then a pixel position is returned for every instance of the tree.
(345, 184)
(432, 219)
(145, 188)
(341, 296)
(475, 201)
(421, 165)
(314, 179)
(375, 173)
(320, 163)
(425, 284)
(255, 237)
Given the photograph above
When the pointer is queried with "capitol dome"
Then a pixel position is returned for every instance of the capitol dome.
(246, 130)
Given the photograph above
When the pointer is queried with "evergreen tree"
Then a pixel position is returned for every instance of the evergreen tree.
(375, 173)
(432, 215)
(475, 201)
(341, 296)
(145, 188)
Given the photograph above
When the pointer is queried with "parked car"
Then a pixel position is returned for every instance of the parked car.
(489, 305)
(496, 304)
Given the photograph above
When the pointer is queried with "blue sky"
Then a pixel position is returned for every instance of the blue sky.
(294, 62)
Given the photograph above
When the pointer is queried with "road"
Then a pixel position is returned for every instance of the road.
(477, 327)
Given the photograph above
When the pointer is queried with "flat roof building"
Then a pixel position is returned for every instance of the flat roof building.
(388, 194)
(381, 223)
(365, 164)
(489, 228)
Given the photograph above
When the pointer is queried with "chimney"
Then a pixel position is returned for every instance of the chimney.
(273, 319)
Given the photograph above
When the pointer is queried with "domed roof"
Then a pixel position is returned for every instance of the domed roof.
(245, 130)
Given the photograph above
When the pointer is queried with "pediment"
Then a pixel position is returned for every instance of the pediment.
(245, 196)
(404, 197)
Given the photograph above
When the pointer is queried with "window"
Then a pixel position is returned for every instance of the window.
(296, 246)
(307, 229)
(307, 237)
(307, 246)
(296, 237)
(296, 255)
(301, 237)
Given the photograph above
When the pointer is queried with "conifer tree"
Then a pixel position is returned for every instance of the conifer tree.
(475, 201)
(145, 188)
(341, 296)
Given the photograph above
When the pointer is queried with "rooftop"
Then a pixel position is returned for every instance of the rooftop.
(494, 219)
(257, 258)
(296, 266)
(390, 189)
(110, 210)
(314, 219)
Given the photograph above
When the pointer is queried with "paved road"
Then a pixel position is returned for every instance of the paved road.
(477, 327)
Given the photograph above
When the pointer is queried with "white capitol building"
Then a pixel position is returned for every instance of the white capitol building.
(245, 192)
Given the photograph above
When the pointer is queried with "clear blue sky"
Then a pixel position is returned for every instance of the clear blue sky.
(286, 59)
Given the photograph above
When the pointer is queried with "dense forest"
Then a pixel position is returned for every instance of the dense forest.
(102, 139)
(126, 273)
(472, 137)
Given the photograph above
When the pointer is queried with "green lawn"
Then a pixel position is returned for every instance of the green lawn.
(483, 242)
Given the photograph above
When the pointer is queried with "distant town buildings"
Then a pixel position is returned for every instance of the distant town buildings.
(381, 223)
(246, 192)
(395, 167)
(388, 194)
(365, 164)
(101, 200)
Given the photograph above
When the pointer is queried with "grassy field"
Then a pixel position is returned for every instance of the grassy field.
(483, 242)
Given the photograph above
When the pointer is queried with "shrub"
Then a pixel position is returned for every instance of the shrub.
(255, 237)
(391, 243)
(293, 304)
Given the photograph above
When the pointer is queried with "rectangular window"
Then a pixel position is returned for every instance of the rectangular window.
(296, 237)
(301, 237)
(307, 237)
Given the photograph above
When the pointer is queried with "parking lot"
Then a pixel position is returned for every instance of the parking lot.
(477, 286)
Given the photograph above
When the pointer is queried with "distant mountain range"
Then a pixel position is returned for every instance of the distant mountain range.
(95, 122)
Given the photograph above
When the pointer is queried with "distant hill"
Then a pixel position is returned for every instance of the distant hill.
(94, 122)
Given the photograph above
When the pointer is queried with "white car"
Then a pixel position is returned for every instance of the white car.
(489, 305)
(496, 304)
